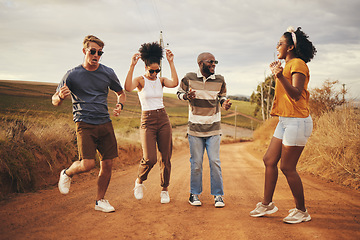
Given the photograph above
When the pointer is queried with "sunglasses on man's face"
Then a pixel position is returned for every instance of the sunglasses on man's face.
(211, 61)
(151, 71)
(93, 51)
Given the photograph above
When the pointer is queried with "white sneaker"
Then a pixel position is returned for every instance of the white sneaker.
(165, 198)
(262, 209)
(104, 206)
(139, 190)
(297, 216)
(64, 182)
(219, 202)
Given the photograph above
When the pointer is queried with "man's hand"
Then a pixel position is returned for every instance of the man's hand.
(190, 95)
(64, 92)
(226, 104)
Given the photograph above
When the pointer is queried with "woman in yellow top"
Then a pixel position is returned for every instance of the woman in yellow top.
(295, 123)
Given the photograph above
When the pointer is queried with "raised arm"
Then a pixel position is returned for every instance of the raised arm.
(174, 77)
(130, 83)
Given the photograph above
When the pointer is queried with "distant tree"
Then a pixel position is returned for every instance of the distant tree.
(239, 98)
(326, 98)
(263, 97)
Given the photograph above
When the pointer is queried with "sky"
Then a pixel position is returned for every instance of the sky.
(42, 39)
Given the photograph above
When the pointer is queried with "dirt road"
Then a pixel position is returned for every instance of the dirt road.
(49, 215)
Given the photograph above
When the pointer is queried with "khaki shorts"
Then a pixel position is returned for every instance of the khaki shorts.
(92, 137)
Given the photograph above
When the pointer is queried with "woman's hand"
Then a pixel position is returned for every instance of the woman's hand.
(117, 110)
(169, 55)
(135, 59)
(276, 68)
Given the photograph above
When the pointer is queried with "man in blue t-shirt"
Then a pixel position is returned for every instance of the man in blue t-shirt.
(88, 85)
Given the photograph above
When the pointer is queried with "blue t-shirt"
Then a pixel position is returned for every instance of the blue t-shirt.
(89, 91)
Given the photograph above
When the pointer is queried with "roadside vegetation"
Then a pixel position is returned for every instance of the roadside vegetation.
(37, 140)
(333, 150)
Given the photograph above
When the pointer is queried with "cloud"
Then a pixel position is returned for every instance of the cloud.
(43, 39)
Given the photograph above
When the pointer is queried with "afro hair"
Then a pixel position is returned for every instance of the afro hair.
(304, 48)
(151, 53)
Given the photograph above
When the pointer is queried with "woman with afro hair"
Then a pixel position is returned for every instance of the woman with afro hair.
(295, 123)
(155, 126)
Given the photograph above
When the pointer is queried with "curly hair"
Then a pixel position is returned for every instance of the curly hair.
(151, 53)
(304, 48)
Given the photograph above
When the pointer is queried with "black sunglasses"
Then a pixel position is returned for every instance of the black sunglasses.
(211, 61)
(93, 51)
(151, 71)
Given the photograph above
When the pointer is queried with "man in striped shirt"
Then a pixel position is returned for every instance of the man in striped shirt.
(206, 92)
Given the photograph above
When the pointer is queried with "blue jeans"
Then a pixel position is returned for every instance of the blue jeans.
(197, 148)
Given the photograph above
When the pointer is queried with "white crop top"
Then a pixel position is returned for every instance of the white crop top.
(151, 96)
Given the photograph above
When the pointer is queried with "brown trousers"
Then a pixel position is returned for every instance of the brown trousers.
(155, 130)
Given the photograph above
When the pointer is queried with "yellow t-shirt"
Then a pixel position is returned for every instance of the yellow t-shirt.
(284, 105)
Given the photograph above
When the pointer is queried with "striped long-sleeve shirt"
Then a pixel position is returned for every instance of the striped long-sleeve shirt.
(204, 110)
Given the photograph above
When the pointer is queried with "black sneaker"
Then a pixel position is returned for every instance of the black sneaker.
(194, 200)
(219, 202)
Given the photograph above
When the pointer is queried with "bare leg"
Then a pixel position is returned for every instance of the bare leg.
(289, 158)
(104, 178)
(271, 159)
(77, 167)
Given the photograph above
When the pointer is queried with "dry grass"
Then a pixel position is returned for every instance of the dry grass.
(263, 135)
(333, 150)
(33, 151)
(32, 154)
(37, 140)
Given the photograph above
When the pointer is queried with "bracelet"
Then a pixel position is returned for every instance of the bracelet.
(122, 105)
(222, 101)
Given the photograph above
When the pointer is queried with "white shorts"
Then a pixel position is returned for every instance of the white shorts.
(294, 131)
